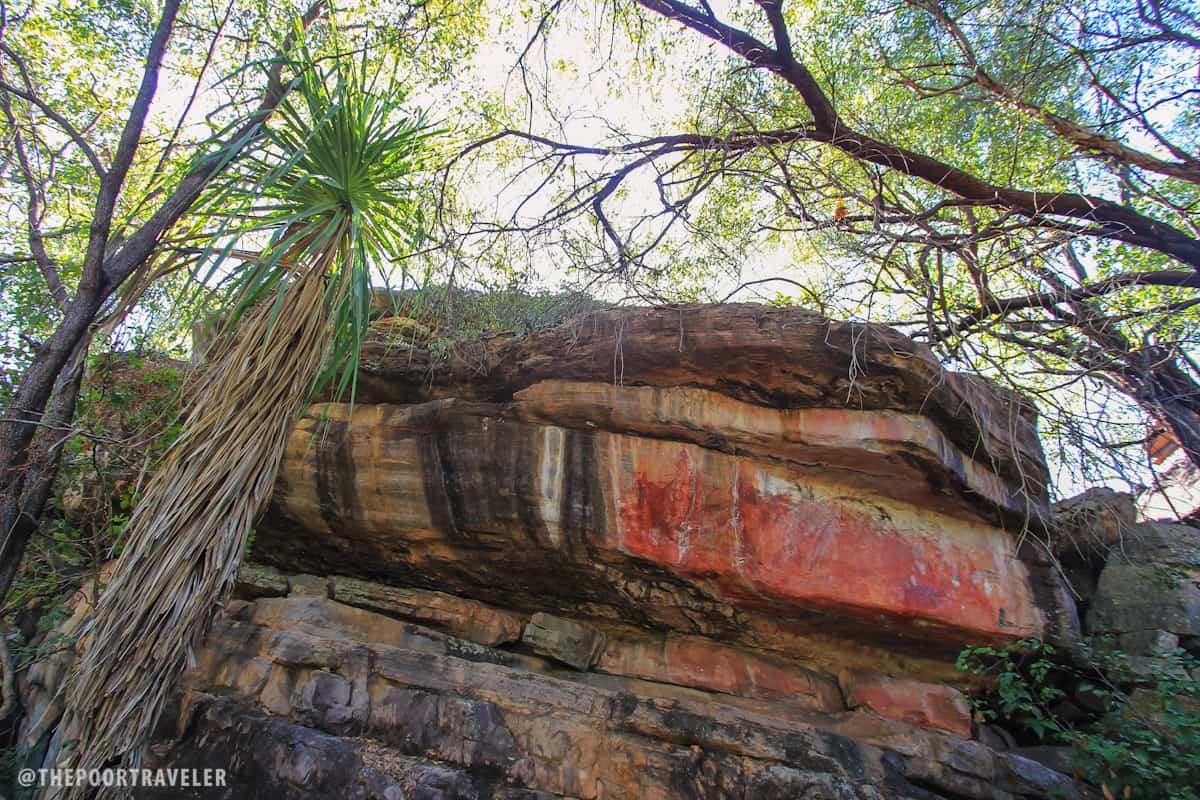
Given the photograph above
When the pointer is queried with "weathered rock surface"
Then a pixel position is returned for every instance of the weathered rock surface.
(929, 705)
(574, 644)
(316, 699)
(1149, 586)
(1092, 522)
(696, 552)
(673, 534)
(770, 357)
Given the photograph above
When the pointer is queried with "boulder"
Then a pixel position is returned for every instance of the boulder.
(1149, 583)
(574, 644)
(1092, 522)
(1153, 643)
(929, 705)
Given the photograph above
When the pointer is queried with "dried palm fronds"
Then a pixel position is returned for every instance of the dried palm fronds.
(190, 528)
(333, 189)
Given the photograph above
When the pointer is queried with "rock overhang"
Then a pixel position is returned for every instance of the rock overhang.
(782, 359)
(738, 465)
(670, 553)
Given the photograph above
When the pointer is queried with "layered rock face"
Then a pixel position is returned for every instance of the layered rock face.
(656, 553)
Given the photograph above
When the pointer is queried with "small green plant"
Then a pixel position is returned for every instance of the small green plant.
(127, 415)
(1023, 691)
(1169, 577)
(1142, 738)
(48, 640)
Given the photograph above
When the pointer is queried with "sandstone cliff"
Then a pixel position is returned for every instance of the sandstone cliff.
(686, 552)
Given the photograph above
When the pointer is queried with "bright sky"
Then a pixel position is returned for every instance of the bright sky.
(580, 80)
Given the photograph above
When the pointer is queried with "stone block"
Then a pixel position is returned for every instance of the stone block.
(258, 580)
(1133, 597)
(1160, 543)
(1092, 522)
(465, 618)
(1157, 644)
(323, 700)
(309, 586)
(906, 700)
(1149, 668)
(704, 664)
(1059, 758)
(573, 643)
(1026, 777)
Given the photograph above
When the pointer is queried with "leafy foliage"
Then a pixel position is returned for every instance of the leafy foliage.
(1144, 738)
(333, 184)
(128, 416)
(743, 185)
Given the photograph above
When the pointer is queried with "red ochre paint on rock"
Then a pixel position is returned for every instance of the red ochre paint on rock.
(763, 538)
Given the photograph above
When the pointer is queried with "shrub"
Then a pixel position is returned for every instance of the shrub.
(1142, 736)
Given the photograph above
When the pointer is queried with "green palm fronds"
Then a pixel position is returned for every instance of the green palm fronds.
(341, 172)
(330, 197)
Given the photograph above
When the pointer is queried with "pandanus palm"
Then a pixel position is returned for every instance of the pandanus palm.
(331, 196)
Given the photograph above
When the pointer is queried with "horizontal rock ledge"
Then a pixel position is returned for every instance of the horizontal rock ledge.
(677, 536)
(775, 357)
(903, 456)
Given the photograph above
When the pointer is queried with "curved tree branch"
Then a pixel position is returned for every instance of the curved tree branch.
(1083, 139)
(21, 500)
(1109, 220)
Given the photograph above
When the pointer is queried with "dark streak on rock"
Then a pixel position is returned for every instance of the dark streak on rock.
(582, 505)
(336, 491)
(438, 479)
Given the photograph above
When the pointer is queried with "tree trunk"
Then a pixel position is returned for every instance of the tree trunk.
(1173, 396)
(29, 478)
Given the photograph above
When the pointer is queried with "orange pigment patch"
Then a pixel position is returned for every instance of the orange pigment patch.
(759, 537)
(925, 704)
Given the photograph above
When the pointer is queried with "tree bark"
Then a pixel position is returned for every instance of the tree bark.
(1173, 397)
(25, 485)
(21, 508)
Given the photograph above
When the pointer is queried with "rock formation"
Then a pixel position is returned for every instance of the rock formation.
(1148, 594)
(725, 551)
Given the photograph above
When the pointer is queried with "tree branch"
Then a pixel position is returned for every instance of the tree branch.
(1000, 307)
(112, 181)
(1083, 139)
(1111, 220)
(139, 246)
(58, 119)
(33, 213)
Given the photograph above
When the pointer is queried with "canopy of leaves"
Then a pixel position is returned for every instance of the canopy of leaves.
(981, 185)
(630, 148)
